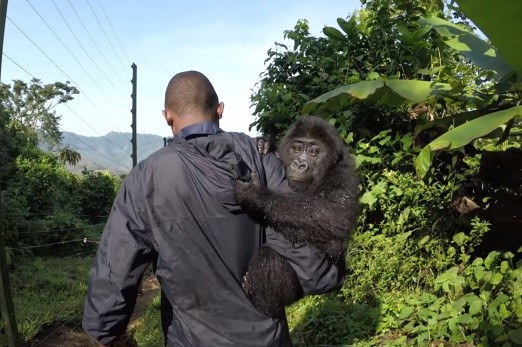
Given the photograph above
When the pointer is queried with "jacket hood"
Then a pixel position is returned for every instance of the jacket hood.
(215, 158)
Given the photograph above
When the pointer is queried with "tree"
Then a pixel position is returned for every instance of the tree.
(382, 41)
(97, 191)
(294, 76)
(9, 148)
(31, 109)
(69, 155)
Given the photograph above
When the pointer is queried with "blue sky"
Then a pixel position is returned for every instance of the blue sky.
(227, 41)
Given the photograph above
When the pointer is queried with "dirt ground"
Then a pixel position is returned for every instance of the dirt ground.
(73, 336)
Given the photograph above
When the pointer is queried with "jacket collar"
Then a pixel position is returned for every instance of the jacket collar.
(198, 129)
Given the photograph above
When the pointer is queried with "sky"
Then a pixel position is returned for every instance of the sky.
(93, 43)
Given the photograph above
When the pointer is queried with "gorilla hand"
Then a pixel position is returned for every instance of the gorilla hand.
(264, 145)
(250, 194)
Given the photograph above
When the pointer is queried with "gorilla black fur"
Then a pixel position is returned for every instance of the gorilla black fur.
(321, 211)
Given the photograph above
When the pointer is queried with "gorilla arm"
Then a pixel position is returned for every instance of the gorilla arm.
(300, 217)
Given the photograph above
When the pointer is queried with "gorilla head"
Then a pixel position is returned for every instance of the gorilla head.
(309, 150)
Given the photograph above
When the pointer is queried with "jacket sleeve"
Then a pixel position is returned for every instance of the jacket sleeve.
(316, 273)
(123, 254)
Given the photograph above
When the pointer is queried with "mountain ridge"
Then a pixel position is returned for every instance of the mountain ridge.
(111, 152)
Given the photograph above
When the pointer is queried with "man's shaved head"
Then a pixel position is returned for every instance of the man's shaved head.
(191, 93)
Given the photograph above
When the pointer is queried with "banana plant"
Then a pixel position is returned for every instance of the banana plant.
(502, 59)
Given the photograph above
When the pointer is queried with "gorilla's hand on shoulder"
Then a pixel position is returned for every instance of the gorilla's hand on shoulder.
(264, 145)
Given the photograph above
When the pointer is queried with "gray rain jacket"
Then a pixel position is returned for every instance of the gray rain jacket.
(176, 209)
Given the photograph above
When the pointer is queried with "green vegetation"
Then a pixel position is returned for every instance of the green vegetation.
(414, 277)
(49, 291)
(147, 330)
(48, 212)
(421, 100)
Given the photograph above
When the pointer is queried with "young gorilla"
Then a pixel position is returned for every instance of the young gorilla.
(321, 211)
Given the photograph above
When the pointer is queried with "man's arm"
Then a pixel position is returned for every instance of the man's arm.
(124, 252)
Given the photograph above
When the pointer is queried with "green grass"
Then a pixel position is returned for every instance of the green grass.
(147, 329)
(48, 290)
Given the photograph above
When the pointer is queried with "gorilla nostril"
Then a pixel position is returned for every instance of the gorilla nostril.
(299, 165)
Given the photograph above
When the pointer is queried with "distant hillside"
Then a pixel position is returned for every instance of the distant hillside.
(111, 152)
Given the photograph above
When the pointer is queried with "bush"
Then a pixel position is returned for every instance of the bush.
(413, 277)
(97, 191)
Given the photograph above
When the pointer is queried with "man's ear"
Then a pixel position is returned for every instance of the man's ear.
(168, 117)
(219, 110)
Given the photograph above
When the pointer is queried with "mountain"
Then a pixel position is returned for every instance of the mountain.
(111, 152)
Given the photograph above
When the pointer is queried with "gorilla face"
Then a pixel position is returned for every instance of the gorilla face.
(306, 159)
(309, 150)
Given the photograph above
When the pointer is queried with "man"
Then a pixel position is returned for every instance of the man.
(176, 209)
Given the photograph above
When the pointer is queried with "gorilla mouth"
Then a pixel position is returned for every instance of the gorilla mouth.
(299, 184)
(299, 179)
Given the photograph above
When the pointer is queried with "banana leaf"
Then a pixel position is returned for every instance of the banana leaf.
(385, 92)
(471, 46)
(498, 21)
(464, 134)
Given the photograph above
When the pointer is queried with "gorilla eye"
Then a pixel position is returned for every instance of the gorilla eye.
(314, 152)
(297, 148)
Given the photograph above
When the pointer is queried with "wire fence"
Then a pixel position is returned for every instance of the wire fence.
(79, 259)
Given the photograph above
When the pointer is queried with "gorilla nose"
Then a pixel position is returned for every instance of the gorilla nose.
(300, 166)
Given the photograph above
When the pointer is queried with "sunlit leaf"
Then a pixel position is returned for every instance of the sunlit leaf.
(334, 34)
(385, 92)
(475, 307)
(493, 19)
(423, 161)
(368, 198)
(470, 45)
(406, 312)
(464, 134)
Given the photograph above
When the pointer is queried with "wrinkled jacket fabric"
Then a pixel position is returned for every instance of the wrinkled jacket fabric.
(176, 209)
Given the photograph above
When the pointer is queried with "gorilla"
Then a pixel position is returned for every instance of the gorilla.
(321, 210)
